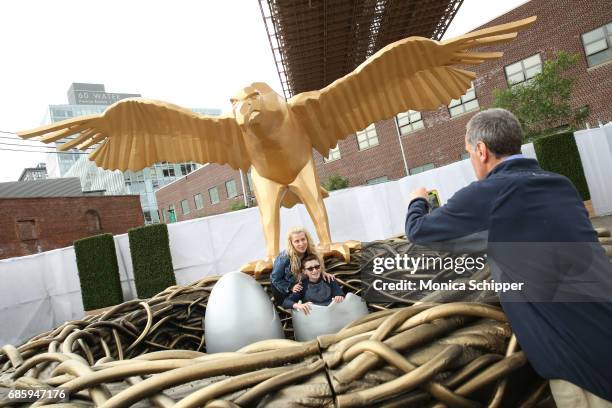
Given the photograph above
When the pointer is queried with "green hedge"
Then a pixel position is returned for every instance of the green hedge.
(151, 259)
(335, 182)
(98, 271)
(558, 153)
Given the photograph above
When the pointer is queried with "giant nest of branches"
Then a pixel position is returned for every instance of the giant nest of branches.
(435, 349)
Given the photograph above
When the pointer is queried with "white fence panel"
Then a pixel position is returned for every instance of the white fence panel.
(38, 292)
(595, 148)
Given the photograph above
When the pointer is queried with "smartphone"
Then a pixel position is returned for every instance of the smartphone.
(434, 199)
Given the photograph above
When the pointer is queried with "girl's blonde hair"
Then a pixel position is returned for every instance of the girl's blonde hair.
(294, 256)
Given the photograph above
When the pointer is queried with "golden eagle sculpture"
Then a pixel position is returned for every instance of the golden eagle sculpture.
(276, 137)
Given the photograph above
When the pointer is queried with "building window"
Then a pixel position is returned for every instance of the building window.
(187, 168)
(523, 70)
(378, 180)
(199, 202)
(185, 207)
(213, 193)
(60, 113)
(230, 186)
(147, 216)
(171, 213)
(466, 103)
(26, 230)
(420, 169)
(93, 221)
(409, 122)
(334, 154)
(169, 172)
(367, 137)
(598, 45)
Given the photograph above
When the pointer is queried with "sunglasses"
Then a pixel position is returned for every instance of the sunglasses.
(312, 268)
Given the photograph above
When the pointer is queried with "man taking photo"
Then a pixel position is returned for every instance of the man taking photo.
(535, 229)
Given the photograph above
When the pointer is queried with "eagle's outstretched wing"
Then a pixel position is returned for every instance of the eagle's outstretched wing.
(135, 133)
(414, 73)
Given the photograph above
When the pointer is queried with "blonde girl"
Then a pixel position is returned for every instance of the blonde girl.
(286, 271)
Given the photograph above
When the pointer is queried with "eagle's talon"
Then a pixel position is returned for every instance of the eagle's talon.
(352, 244)
(257, 268)
(339, 249)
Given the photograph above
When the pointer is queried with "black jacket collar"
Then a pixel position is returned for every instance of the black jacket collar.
(514, 165)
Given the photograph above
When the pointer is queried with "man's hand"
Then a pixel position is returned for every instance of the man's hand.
(328, 277)
(338, 299)
(420, 192)
(304, 307)
(297, 288)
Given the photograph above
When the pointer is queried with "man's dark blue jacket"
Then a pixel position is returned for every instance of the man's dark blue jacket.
(518, 202)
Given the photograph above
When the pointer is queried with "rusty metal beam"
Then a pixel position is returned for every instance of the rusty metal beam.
(315, 42)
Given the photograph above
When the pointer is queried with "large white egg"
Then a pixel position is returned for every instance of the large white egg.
(328, 319)
(239, 312)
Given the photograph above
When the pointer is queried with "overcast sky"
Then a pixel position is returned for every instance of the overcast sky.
(194, 53)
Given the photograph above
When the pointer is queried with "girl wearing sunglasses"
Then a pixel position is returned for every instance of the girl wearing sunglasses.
(287, 268)
(315, 290)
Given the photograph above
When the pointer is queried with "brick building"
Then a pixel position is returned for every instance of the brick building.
(436, 138)
(561, 25)
(30, 225)
(211, 189)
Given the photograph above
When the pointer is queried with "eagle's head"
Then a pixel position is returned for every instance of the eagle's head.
(258, 109)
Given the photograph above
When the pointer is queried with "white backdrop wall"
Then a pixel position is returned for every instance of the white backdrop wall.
(595, 148)
(39, 292)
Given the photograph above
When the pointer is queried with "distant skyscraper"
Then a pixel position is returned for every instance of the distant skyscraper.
(34, 173)
(84, 99)
(87, 99)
